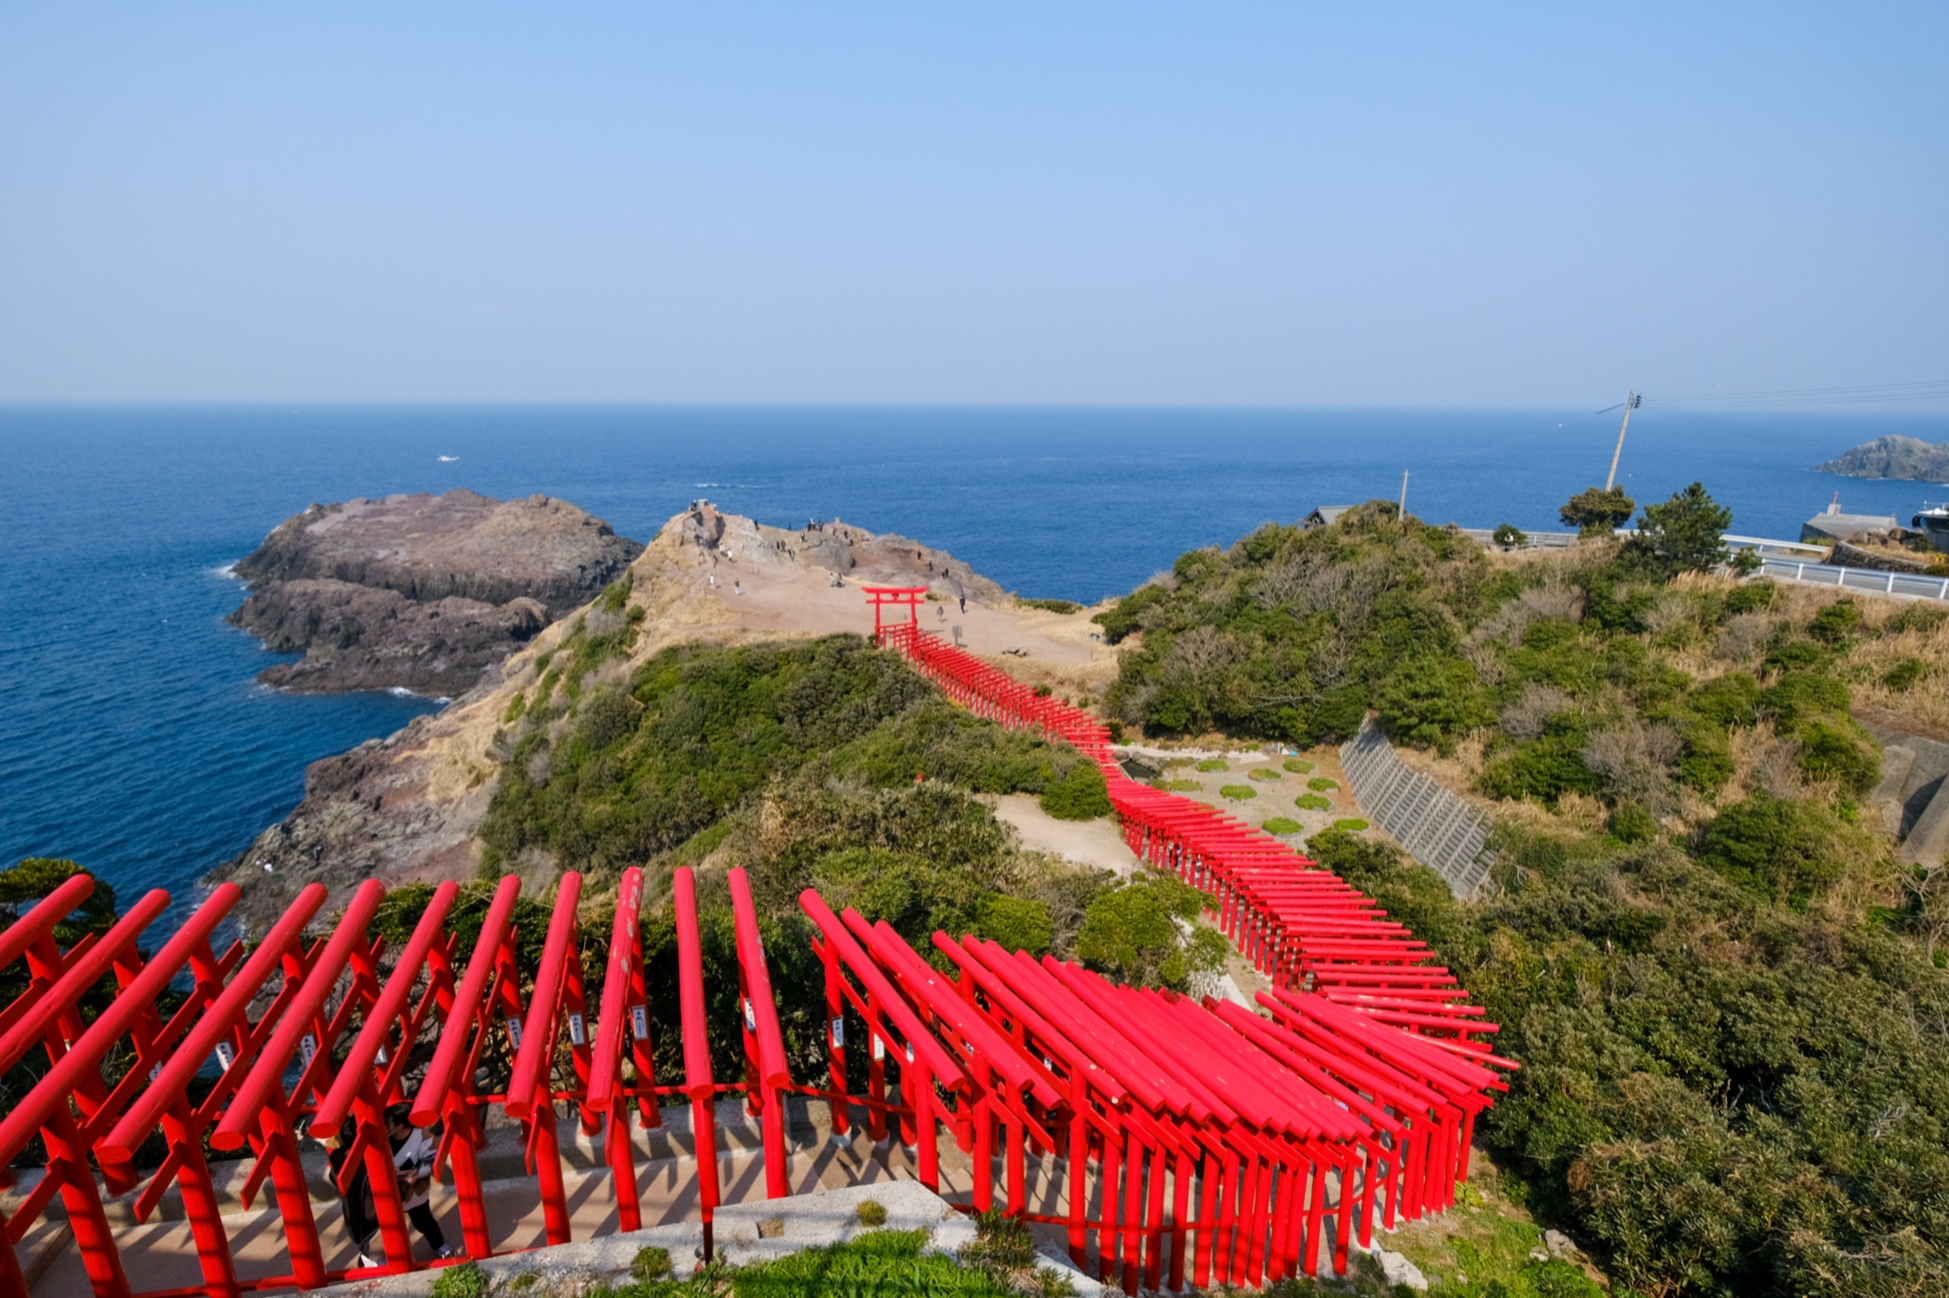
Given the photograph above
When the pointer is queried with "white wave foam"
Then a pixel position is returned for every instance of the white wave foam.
(401, 692)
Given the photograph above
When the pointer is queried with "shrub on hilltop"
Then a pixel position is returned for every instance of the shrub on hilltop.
(1728, 998)
(1292, 635)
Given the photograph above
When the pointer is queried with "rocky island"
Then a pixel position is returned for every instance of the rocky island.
(1907, 458)
(419, 592)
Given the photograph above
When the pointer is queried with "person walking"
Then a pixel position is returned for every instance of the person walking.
(413, 1157)
(413, 1153)
(355, 1195)
(964, 603)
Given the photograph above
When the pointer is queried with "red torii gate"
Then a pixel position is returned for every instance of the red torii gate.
(884, 597)
(322, 988)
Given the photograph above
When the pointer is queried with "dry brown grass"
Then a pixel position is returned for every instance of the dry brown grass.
(1924, 706)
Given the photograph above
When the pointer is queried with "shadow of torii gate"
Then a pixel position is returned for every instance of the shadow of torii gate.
(1238, 1146)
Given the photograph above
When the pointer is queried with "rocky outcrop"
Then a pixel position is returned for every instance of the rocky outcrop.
(408, 807)
(420, 592)
(1882, 554)
(1909, 458)
(848, 552)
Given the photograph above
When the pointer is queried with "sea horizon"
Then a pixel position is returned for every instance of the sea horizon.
(134, 739)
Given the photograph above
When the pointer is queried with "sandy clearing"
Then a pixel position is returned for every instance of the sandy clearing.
(1096, 843)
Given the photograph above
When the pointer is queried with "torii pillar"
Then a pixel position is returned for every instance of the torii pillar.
(882, 597)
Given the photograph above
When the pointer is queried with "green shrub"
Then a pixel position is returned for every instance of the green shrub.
(1263, 773)
(1800, 696)
(1281, 825)
(1213, 764)
(1631, 823)
(1706, 760)
(1431, 701)
(1351, 825)
(1788, 653)
(1082, 795)
(1298, 765)
(1002, 1245)
(467, 1280)
(1917, 617)
(1126, 615)
(1728, 700)
(1545, 768)
(1018, 923)
(1320, 784)
(516, 706)
(1750, 597)
(1238, 792)
(1183, 786)
(1508, 535)
(1905, 675)
(650, 1263)
(1051, 605)
(870, 1212)
(1836, 624)
(1130, 933)
(1840, 750)
(1312, 802)
(1779, 848)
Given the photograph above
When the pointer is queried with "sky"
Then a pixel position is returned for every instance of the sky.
(1128, 204)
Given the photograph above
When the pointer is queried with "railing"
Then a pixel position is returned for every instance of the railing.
(1866, 580)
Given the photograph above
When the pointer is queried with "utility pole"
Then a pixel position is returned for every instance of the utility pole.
(1404, 497)
(1630, 403)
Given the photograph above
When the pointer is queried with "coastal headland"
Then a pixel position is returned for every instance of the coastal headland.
(419, 592)
(408, 807)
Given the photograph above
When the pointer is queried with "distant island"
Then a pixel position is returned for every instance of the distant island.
(1893, 457)
(422, 593)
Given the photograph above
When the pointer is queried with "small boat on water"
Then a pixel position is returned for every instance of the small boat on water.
(1934, 521)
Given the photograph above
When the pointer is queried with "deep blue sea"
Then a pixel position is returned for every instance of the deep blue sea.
(133, 739)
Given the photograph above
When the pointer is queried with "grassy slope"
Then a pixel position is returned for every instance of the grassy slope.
(1736, 1042)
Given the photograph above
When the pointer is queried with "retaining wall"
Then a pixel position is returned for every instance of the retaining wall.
(1438, 829)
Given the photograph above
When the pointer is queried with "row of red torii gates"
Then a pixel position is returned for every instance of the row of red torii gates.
(1196, 1142)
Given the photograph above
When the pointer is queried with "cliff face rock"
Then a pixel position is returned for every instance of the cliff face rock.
(420, 592)
(408, 807)
(1908, 458)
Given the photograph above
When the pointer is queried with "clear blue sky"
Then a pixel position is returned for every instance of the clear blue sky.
(1387, 204)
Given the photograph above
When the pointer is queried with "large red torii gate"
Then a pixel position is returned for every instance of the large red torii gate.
(894, 597)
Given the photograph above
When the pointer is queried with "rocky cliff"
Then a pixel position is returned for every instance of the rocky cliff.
(407, 807)
(1893, 457)
(420, 592)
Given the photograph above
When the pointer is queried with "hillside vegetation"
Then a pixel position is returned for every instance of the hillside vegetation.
(822, 763)
(1727, 996)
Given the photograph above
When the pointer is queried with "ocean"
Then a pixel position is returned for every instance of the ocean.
(134, 740)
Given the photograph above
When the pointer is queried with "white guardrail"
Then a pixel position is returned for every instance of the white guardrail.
(1867, 580)
(1796, 561)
